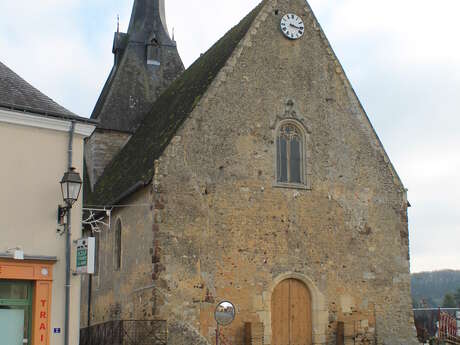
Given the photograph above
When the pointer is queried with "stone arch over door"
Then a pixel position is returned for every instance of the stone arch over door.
(319, 313)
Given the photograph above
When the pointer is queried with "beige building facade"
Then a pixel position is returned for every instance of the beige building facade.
(34, 143)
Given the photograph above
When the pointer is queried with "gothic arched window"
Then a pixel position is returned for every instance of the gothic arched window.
(117, 246)
(290, 154)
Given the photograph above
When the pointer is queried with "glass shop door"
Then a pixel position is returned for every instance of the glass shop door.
(15, 312)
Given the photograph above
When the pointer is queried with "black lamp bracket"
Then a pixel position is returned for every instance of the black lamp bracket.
(61, 213)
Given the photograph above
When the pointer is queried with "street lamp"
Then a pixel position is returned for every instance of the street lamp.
(70, 186)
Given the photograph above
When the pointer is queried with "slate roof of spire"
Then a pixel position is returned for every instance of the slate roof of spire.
(133, 85)
(133, 167)
(17, 94)
(148, 16)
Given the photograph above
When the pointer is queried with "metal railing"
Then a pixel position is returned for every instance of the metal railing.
(126, 332)
(437, 325)
(447, 329)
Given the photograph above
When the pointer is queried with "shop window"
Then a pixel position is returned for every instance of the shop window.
(16, 311)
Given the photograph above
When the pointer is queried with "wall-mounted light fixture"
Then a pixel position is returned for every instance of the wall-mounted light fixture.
(70, 187)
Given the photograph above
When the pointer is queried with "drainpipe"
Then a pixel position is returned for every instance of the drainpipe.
(90, 293)
(67, 244)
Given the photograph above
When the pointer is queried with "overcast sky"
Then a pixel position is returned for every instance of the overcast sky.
(402, 57)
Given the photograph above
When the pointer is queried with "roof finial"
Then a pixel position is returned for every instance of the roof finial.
(173, 33)
(118, 23)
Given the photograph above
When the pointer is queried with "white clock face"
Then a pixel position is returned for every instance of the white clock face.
(292, 26)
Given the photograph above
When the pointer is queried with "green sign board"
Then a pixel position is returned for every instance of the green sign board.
(86, 255)
(82, 257)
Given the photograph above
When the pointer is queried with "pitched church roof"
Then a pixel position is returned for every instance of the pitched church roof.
(17, 94)
(133, 167)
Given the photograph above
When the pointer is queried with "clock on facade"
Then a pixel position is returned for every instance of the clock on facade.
(292, 26)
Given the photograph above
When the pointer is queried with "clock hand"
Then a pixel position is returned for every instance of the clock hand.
(297, 27)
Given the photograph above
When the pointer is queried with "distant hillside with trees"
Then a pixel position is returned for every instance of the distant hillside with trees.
(429, 289)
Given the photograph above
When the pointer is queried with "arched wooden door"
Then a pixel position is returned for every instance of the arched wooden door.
(291, 314)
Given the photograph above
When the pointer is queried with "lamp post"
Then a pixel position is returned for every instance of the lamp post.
(70, 187)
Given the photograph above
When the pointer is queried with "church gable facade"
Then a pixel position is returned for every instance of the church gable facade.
(271, 190)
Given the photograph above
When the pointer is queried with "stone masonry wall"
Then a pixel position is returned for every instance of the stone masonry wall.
(127, 293)
(226, 232)
(100, 149)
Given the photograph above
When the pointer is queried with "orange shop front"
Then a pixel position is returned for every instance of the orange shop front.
(25, 300)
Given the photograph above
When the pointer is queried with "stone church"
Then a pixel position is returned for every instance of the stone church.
(254, 177)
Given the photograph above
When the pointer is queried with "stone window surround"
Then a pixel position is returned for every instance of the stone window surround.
(318, 306)
(306, 156)
(118, 245)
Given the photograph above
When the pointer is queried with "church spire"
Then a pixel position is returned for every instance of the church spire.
(146, 52)
(148, 19)
(146, 62)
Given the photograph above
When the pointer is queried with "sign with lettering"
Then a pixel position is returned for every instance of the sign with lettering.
(57, 331)
(42, 309)
(43, 320)
(86, 248)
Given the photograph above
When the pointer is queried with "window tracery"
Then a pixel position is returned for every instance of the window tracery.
(290, 153)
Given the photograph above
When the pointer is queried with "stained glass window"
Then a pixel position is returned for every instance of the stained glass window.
(289, 154)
